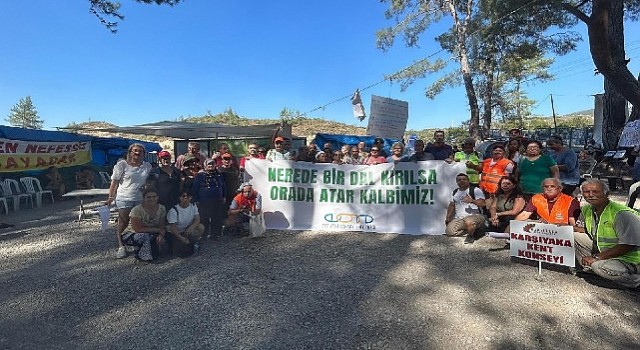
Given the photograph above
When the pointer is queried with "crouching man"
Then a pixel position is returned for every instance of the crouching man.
(246, 203)
(184, 226)
(464, 214)
(615, 228)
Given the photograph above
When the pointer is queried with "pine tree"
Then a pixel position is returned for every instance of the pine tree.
(25, 115)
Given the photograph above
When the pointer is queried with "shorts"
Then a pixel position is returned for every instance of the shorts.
(126, 204)
(457, 226)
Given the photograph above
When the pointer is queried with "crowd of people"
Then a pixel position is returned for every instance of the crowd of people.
(172, 207)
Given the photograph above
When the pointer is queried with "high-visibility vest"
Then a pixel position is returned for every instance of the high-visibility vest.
(606, 236)
(474, 175)
(559, 213)
(491, 174)
(244, 202)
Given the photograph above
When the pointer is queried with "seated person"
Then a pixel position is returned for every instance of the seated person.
(184, 226)
(148, 223)
(246, 203)
(506, 205)
(52, 180)
(464, 214)
(84, 178)
(552, 206)
(616, 253)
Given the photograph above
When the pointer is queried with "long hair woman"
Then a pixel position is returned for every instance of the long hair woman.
(127, 182)
(508, 203)
(148, 223)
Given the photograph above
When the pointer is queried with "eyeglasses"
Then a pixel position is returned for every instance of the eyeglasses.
(375, 150)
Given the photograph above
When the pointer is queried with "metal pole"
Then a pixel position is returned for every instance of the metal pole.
(553, 111)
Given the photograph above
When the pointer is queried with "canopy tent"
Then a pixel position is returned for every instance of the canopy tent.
(185, 130)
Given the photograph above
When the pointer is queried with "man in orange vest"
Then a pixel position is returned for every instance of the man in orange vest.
(552, 206)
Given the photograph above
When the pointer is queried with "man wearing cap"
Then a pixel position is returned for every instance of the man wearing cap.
(223, 148)
(166, 180)
(438, 148)
(471, 158)
(278, 152)
(193, 149)
(567, 161)
(246, 203)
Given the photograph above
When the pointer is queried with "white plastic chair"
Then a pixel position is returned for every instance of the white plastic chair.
(106, 179)
(11, 189)
(3, 201)
(34, 188)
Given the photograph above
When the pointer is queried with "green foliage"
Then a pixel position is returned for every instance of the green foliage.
(106, 9)
(25, 115)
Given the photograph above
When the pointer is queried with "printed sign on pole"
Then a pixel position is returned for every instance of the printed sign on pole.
(542, 242)
(388, 117)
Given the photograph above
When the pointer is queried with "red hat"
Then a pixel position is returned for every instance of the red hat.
(164, 154)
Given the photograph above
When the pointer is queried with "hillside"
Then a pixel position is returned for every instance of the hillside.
(309, 127)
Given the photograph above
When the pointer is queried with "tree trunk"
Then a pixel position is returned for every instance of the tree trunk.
(607, 50)
(461, 48)
(614, 113)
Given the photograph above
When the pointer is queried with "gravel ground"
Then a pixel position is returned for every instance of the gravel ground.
(62, 289)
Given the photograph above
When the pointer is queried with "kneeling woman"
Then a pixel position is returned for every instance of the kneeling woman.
(184, 226)
(148, 221)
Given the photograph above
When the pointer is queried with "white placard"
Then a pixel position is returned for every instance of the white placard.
(542, 242)
(388, 117)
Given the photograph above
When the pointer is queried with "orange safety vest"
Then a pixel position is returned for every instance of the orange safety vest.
(244, 202)
(491, 174)
(559, 214)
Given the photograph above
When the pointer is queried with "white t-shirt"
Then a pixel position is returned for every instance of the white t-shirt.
(465, 209)
(131, 178)
(183, 217)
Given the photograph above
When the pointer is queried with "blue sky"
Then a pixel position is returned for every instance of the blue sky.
(210, 55)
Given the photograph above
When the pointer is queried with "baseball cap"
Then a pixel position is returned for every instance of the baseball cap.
(209, 162)
(164, 154)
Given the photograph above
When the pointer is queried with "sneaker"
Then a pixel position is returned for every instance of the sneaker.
(122, 253)
(469, 239)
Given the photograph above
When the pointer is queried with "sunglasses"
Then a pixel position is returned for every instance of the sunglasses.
(226, 158)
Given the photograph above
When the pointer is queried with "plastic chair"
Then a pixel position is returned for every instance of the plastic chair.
(106, 179)
(3, 201)
(34, 188)
(11, 189)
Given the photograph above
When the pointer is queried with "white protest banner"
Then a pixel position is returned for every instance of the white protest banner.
(20, 155)
(388, 117)
(410, 198)
(542, 242)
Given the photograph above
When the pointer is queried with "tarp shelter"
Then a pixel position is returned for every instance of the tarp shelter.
(338, 140)
(185, 130)
(102, 148)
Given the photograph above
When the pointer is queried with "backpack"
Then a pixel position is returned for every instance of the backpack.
(472, 188)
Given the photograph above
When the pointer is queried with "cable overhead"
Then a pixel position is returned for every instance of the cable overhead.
(391, 76)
